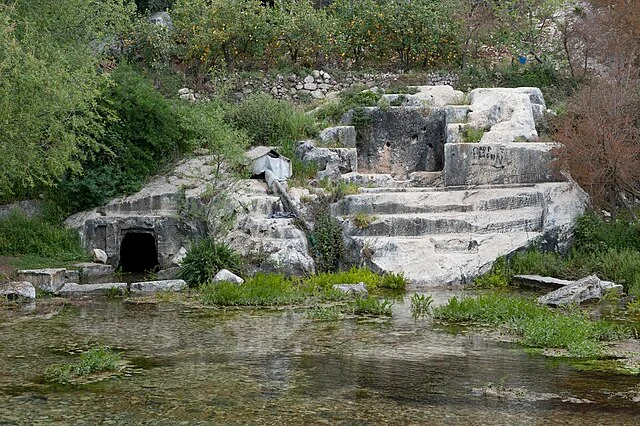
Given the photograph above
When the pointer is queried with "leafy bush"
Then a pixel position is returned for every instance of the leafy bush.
(205, 258)
(143, 133)
(21, 235)
(594, 234)
(272, 122)
(327, 244)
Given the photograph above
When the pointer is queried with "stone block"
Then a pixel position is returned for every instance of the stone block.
(93, 270)
(342, 136)
(14, 290)
(73, 289)
(99, 256)
(500, 163)
(50, 279)
(71, 276)
(156, 286)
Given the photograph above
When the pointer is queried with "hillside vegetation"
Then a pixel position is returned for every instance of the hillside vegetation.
(88, 90)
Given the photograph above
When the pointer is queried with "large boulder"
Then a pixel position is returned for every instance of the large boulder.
(508, 114)
(585, 289)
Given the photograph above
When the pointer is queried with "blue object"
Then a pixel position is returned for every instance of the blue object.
(522, 59)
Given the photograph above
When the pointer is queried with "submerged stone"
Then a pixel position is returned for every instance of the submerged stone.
(73, 289)
(352, 289)
(157, 286)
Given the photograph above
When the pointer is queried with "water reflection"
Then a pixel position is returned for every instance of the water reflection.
(279, 367)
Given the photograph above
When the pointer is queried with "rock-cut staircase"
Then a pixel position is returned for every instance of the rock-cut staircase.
(437, 236)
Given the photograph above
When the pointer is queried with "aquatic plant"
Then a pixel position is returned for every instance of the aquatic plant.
(91, 361)
(420, 305)
(371, 280)
(371, 306)
(322, 313)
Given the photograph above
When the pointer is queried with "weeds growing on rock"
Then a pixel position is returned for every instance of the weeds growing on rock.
(363, 220)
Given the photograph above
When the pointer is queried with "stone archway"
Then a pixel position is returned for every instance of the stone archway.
(138, 252)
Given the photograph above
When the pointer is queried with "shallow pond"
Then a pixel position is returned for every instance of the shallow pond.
(280, 367)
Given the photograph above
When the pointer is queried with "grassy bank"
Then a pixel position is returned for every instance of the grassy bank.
(537, 326)
(268, 290)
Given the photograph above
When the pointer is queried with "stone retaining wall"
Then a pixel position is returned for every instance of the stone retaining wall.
(318, 84)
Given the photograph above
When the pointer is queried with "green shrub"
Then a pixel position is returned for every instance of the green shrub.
(272, 122)
(21, 235)
(143, 133)
(594, 234)
(205, 258)
(327, 243)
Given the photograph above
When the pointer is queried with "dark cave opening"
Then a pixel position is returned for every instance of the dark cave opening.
(138, 252)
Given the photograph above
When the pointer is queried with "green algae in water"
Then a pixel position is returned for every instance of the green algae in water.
(606, 366)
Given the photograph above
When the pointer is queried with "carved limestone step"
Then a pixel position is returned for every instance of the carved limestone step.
(527, 219)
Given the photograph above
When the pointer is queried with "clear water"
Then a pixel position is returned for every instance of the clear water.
(279, 367)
